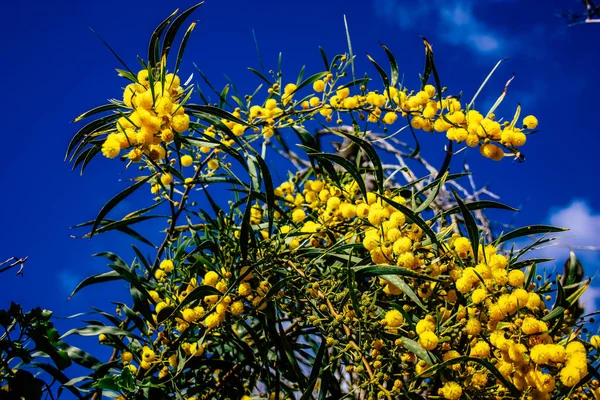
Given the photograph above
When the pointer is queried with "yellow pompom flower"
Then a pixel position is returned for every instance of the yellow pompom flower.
(135, 154)
(211, 278)
(595, 341)
(478, 295)
(394, 318)
(186, 160)
(156, 152)
(298, 215)
(319, 86)
(212, 320)
(143, 77)
(473, 327)
(167, 266)
(480, 350)
(126, 357)
(166, 179)
(491, 151)
(569, 376)
(389, 118)
(189, 315)
(479, 379)
(530, 122)
(237, 308)
(428, 340)
(463, 247)
(148, 354)
(451, 391)
(111, 147)
(180, 123)
(516, 277)
(427, 324)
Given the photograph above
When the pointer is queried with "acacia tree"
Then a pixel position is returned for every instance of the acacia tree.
(355, 277)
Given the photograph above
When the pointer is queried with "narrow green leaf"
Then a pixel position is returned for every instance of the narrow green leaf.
(410, 215)
(432, 196)
(371, 153)
(310, 80)
(95, 330)
(174, 28)
(419, 351)
(355, 82)
(112, 203)
(477, 205)
(315, 372)
(98, 110)
(183, 45)
(261, 76)
(347, 165)
(406, 289)
(324, 57)
(377, 270)
(113, 52)
(393, 66)
(154, 45)
(470, 224)
(99, 278)
(529, 230)
(384, 76)
(472, 102)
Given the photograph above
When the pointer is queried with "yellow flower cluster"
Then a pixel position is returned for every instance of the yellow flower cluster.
(502, 320)
(157, 114)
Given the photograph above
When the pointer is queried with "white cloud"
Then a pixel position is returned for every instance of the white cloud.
(584, 231)
(454, 21)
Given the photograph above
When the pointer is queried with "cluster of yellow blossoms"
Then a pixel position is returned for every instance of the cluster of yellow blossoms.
(157, 114)
(501, 318)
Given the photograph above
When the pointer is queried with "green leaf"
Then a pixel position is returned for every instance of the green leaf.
(310, 80)
(183, 44)
(349, 47)
(393, 66)
(371, 153)
(154, 45)
(476, 205)
(315, 372)
(470, 224)
(94, 279)
(472, 102)
(261, 76)
(414, 218)
(430, 68)
(432, 196)
(347, 165)
(419, 351)
(407, 290)
(355, 82)
(174, 28)
(269, 188)
(112, 203)
(324, 57)
(99, 109)
(223, 96)
(89, 129)
(113, 52)
(95, 330)
(377, 270)
(384, 76)
(446, 164)
(529, 230)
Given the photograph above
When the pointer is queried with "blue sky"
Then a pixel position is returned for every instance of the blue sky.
(54, 69)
